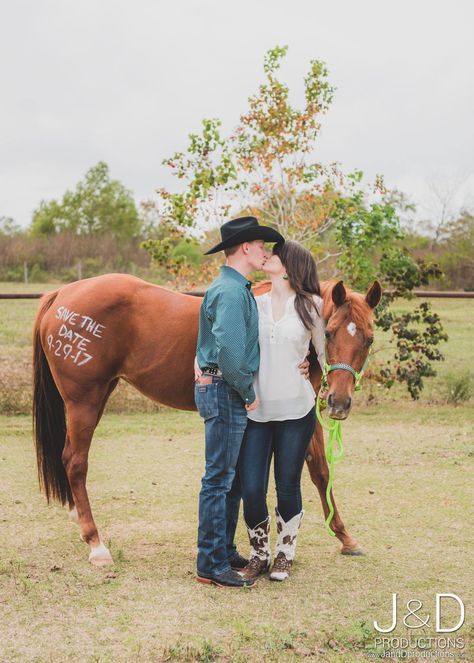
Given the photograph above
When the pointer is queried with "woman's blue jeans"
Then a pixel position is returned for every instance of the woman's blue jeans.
(225, 419)
(287, 441)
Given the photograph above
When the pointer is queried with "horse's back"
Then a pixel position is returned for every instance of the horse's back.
(87, 312)
(118, 325)
(113, 301)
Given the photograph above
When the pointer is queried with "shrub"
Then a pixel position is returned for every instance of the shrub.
(458, 387)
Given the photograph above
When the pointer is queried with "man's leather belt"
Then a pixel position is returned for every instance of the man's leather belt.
(211, 370)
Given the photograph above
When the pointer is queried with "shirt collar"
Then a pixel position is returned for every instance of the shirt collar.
(231, 273)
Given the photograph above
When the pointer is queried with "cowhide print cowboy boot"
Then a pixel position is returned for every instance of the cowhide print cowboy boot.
(286, 546)
(259, 561)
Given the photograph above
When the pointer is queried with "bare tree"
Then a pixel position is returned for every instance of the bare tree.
(446, 198)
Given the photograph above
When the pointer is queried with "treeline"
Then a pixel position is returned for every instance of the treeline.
(67, 257)
(97, 228)
(453, 251)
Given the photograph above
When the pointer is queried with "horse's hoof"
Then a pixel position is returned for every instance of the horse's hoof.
(73, 517)
(100, 556)
(357, 551)
(101, 561)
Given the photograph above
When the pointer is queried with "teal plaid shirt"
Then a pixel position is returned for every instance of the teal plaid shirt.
(228, 331)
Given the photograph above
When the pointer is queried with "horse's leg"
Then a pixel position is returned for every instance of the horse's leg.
(318, 469)
(82, 419)
(73, 516)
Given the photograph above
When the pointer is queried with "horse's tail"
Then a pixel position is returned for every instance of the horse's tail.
(49, 421)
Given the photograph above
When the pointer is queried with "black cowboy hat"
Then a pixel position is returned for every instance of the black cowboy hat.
(244, 229)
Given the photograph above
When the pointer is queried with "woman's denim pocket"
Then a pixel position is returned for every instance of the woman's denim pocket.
(206, 399)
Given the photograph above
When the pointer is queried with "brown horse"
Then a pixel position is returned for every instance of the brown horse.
(90, 333)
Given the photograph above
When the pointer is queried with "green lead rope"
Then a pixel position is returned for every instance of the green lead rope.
(334, 447)
(334, 453)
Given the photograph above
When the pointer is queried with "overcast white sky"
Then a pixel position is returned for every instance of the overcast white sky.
(125, 82)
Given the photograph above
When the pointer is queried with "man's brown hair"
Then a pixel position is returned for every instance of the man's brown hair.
(231, 250)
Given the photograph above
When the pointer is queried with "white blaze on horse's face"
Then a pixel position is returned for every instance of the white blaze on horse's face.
(351, 328)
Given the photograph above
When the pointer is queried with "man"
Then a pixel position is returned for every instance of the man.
(228, 356)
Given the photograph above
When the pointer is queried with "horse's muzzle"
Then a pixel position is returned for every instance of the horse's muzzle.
(339, 407)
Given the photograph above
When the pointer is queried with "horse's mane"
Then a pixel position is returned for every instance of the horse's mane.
(355, 304)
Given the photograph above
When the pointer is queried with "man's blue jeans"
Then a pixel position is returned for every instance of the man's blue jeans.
(225, 420)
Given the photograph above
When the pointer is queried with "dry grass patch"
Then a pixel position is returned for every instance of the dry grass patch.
(404, 489)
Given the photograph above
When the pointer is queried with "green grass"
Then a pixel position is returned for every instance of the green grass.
(404, 490)
(457, 317)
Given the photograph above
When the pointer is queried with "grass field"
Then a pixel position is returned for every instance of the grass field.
(404, 490)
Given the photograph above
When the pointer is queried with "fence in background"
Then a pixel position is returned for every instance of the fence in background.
(430, 294)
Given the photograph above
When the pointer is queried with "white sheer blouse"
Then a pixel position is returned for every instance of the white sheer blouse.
(283, 392)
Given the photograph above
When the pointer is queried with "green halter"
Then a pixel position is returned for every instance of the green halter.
(334, 448)
(327, 368)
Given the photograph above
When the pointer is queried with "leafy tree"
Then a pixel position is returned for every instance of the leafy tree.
(97, 205)
(266, 166)
(371, 242)
(273, 147)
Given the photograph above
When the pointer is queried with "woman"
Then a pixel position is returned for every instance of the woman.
(283, 424)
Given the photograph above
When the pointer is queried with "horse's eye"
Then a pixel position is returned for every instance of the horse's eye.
(327, 335)
(370, 340)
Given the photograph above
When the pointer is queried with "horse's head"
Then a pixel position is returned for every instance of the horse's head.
(349, 335)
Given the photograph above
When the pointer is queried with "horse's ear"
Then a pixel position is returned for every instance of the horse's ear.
(374, 294)
(339, 294)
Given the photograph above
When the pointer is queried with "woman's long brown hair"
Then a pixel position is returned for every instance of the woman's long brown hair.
(303, 277)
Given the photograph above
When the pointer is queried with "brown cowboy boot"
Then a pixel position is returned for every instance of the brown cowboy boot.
(259, 550)
(286, 546)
